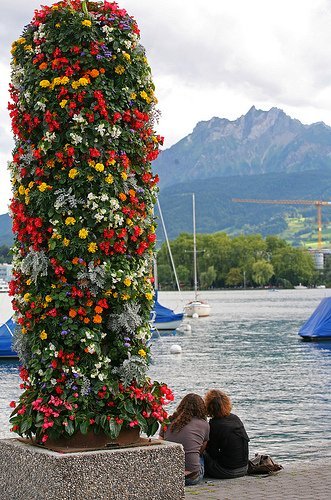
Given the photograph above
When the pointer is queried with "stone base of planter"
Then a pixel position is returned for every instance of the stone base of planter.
(154, 472)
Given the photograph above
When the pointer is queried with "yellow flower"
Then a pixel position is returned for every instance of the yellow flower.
(29, 281)
(87, 23)
(90, 177)
(129, 222)
(31, 184)
(70, 221)
(83, 81)
(58, 25)
(124, 176)
(65, 242)
(143, 94)
(109, 179)
(99, 167)
(44, 83)
(119, 69)
(21, 189)
(42, 187)
(57, 80)
(142, 353)
(48, 298)
(126, 56)
(92, 247)
(43, 335)
(125, 296)
(26, 297)
(21, 40)
(73, 172)
(23, 330)
(64, 80)
(149, 296)
(115, 295)
(133, 96)
(28, 47)
(63, 102)
(75, 84)
(83, 234)
(127, 281)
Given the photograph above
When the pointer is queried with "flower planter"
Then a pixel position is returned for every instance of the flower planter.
(91, 440)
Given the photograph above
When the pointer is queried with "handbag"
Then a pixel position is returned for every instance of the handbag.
(262, 464)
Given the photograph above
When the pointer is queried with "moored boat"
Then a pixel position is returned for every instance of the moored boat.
(6, 339)
(196, 307)
(318, 325)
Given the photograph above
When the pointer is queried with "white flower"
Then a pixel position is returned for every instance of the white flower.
(98, 217)
(115, 132)
(76, 139)
(53, 381)
(101, 129)
(104, 197)
(79, 119)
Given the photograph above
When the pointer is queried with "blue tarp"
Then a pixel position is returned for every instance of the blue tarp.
(164, 314)
(319, 323)
(6, 338)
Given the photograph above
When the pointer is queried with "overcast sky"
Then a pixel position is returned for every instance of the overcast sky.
(210, 58)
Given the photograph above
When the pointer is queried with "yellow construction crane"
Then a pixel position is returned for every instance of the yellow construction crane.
(318, 204)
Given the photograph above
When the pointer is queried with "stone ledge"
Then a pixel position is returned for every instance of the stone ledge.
(28, 472)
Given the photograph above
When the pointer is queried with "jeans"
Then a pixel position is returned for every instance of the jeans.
(215, 470)
(192, 481)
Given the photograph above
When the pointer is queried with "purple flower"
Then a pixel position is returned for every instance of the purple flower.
(64, 332)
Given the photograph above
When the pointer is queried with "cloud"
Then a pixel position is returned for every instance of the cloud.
(216, 58)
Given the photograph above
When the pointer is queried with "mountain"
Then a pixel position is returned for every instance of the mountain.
(261, 155)
(6, 235)
(215, 210)
(259, 142)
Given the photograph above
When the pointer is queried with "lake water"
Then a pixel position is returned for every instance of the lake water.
(249, 347)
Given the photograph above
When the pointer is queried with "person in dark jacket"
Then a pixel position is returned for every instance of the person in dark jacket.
(226, 455)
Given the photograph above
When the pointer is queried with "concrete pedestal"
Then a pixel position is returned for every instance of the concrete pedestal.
(153, 472)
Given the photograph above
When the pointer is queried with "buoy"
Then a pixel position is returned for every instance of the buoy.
(195, 315)
(175, 349)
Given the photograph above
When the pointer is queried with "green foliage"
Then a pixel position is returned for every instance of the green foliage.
(235, 262)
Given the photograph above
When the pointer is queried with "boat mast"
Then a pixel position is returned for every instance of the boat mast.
(194, 251)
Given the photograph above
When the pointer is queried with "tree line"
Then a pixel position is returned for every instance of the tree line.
(237, 262)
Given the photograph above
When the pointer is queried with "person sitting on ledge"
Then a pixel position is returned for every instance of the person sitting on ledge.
(189, 427)
(226, 455)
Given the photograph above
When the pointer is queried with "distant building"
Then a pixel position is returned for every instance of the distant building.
(6, 272)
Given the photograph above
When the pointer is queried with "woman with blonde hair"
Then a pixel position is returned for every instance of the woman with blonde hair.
(189, 427)
(226, 455)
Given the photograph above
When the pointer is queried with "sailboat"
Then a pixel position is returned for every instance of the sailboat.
(163, 317)
(196, 307)
(6, 339)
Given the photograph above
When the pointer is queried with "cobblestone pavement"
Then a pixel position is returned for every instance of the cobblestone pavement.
(306, 481)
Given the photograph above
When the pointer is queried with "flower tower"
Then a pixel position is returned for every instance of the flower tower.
(82, 112)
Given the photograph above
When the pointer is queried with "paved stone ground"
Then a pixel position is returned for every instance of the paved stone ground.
(306, 481)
